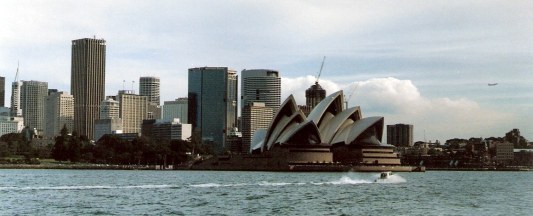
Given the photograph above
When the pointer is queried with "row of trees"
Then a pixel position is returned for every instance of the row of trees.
(16, 146)
(114, 150)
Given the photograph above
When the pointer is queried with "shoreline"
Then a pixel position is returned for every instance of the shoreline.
(161, 167)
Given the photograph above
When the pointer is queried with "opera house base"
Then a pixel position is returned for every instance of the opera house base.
(294, 158)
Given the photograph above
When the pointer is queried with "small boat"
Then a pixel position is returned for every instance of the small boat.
(384, 175)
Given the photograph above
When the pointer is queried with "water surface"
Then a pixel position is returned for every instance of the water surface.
(127, 192)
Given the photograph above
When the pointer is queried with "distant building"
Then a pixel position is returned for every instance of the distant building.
(523, 157)
(313, 96)
(59, 113)
(16, 109)
(110, 121)
(133, 110)
(107, 126)
(127, 136)
(261, 85)
(514, 137)
(87, 82)
(504, 152)
(176, 109)
(110, 109)
(255, 116)
(2, 91)
(212, 103)
(154, 111)
(33, 104)
(149, 87)
(167, 130)
(9, 124)
(234, 141)
(400, 135)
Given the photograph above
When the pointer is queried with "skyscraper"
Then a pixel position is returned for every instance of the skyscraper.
(87, 82)
(149, 87)
(33, 104)
(2, 91)
(261, 86)
(212, 103)
(400, 135)
(59, 113)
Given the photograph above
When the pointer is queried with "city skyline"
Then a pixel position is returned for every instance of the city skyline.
(425, 64)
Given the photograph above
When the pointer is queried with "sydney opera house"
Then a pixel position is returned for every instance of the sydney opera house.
(330, 138)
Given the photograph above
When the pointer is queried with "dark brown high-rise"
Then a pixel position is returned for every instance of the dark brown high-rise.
(87, 82)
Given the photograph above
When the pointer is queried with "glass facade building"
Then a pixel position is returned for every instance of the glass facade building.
(212, 104)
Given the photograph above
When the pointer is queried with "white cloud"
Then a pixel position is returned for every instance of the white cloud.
(400, 101)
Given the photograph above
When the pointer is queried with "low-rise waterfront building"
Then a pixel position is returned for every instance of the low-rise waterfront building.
(167, 130)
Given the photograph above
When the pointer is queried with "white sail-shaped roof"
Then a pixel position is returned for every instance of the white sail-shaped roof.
(332, 104)
(258, 140)
(281, 119)
(353, 131)
(330, 129)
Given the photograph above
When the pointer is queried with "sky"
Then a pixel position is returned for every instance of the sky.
(425, 63)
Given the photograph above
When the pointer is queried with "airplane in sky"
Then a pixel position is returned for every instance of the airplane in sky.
(493, 84)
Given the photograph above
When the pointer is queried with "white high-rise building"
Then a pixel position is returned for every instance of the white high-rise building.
(59, 113)
(261, 85)
(133, 110)
(176, 109)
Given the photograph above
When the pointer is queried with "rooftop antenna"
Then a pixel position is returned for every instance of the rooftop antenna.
(17, 75)
(320, 72)
(123, 83)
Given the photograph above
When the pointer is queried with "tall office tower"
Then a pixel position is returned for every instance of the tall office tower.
(176, 109)
(149, 87)
(255, 116)
(133, 110)
(109, 109)
(59, 113)
(87, 82)
(212, 103)
(2, 91)
(313, 96)
(400, 135)
(261, 86)
(33, 104)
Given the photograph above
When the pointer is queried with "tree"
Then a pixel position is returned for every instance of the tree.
(60, 149)
(74, 149)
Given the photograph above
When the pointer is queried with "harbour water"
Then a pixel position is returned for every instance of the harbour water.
(130, 192)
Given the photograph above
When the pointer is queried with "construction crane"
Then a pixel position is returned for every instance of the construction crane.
(320, 72)
(350, 95)
(17, 75)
